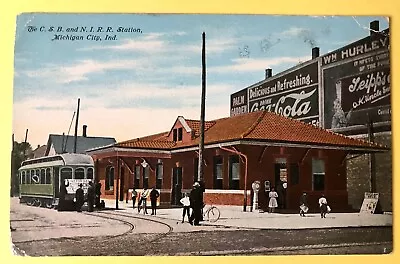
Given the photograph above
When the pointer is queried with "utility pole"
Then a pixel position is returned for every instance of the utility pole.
(76, 125)
(202, 115)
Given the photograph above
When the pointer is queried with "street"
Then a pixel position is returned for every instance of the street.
(46, 232)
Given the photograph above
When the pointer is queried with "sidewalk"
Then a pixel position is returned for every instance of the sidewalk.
(233, 216)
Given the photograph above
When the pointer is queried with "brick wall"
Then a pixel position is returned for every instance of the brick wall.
(358, 176)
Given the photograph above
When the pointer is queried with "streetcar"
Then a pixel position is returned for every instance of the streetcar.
(41, 179)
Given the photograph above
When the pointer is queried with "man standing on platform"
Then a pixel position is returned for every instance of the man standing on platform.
(154, 194)
(90, 197)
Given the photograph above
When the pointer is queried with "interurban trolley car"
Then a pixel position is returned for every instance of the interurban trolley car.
(42, 178)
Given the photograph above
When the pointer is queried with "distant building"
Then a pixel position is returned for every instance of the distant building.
(58, 144)
(40, 151)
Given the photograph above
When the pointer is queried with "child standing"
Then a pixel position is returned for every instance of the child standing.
(185, 201)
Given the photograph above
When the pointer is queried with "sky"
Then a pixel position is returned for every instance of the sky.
(148, 71)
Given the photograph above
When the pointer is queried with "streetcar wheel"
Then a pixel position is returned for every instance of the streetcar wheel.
(29, 202)
(213, 214)
(48, 204)
(37, 202)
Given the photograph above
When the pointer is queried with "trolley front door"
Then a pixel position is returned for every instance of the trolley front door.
(176, 185)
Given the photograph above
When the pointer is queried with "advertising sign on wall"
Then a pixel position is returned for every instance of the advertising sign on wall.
(357, 84)
(293, 95)
(239, 103)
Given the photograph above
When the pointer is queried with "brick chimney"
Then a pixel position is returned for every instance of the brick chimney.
(315, 52)
(374, 28)
(268, 73)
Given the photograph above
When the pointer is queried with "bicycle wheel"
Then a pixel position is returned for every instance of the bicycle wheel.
(213, 214)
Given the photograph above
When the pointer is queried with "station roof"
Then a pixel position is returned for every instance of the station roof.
(256, 128)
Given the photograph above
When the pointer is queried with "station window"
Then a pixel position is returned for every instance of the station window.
(294, 174)
(175, 136)
(109, 186)
(218, 176)
(137, 176)
(48, 176)
(318, 174)
(79, 173)
(89, 173)
(234, 172)
(159, 175)
(146, 172)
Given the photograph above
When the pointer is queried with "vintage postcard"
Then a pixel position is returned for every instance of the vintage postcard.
(201, 135)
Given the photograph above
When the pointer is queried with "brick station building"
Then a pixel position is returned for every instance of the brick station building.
(279, 152)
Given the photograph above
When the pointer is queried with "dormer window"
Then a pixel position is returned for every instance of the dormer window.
(180, 134)
(177, 134)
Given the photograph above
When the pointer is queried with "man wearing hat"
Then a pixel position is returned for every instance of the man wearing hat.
(79, 198)
(196, 203)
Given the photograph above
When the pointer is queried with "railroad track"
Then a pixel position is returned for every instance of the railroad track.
(131, 216)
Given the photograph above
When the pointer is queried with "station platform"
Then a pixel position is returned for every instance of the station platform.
(234, 216)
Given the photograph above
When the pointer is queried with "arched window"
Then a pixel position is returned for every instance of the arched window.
(109, 186)
(79, 173)
(42, 176)
(23, 180)
(48, 176)
(89, 173)
(66, 173)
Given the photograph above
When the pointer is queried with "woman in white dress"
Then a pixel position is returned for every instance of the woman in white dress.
(273, 203)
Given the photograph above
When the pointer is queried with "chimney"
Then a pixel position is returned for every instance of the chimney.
(84, 131)
(268, 73)
(374, 28)
(315, 52)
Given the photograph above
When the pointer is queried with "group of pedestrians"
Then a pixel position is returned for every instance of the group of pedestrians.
(93, 197)
(322, 202)
(142, 200)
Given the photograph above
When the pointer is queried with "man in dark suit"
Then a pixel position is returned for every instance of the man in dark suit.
(196, 202)
(154, 194)
(90, 197)
(79, 198)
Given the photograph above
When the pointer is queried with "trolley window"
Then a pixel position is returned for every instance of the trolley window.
(48, 176)
(66, 173)
(23, 179)
(43, 176)
(89, 173)
(79, 173)
(32, 172)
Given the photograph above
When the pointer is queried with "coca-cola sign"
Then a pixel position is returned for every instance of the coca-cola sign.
(293, 95)
(299, 104)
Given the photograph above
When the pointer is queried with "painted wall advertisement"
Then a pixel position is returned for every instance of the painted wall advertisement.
(356, 81)
(293, 95)
(239, 103)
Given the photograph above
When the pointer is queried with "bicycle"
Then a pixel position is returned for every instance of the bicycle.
(212, 214)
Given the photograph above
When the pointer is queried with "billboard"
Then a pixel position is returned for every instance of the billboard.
(239, 103)
(356, 83)
(293, 94)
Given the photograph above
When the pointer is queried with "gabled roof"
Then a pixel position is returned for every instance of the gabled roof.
(262, 126)
(82, 143)
(40, 151)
